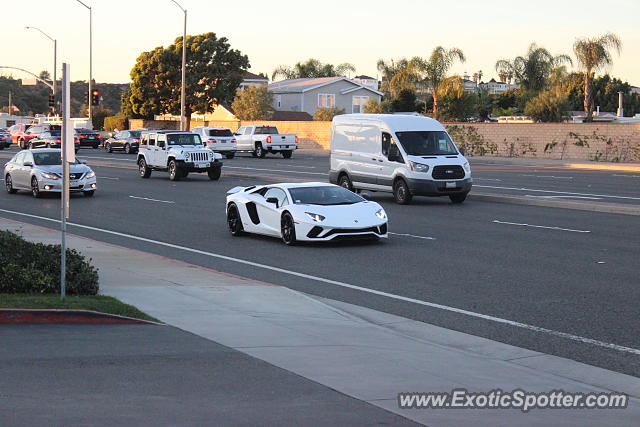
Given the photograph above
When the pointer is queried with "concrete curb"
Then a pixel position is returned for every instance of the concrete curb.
(615, 208)
(22, 315)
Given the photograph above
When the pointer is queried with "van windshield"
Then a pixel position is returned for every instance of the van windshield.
(426, 143)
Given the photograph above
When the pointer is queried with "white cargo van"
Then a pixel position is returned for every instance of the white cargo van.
(406, 155)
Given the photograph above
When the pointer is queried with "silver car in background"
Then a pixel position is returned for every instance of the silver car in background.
(39, 170)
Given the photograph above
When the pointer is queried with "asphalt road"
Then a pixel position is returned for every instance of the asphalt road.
(134, 375)
(546, 279)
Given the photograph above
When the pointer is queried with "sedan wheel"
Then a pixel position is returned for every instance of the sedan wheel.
(109, 149)
(127, 148)
(35, 189)
(233, 220)
(8, 183)
(288, 229)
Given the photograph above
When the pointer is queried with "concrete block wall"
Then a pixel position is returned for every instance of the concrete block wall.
(567, 141)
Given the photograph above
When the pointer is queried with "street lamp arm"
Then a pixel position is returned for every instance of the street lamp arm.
(43, 33)
(177, 4)
(88, 7)
(29, 72)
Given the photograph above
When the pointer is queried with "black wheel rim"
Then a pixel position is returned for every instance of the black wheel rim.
(287, 228)
(232, 220)
(34, 187)
(401, 192)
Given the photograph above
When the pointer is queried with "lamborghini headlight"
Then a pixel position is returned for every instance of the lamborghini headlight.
(314, 216)
(381, 214)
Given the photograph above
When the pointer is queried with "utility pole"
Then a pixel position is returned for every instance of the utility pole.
(183, 124)
(68, 155)
(90, 60)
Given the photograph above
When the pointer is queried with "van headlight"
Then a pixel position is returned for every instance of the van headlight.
(381, 214)
(418, 167)
(466, 167)
(314, 216)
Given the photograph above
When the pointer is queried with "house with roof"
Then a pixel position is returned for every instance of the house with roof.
(307, 95)
(367, 81)
(251, 79)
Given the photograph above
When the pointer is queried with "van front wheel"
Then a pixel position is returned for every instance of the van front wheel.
(458, 198)
(401, 192)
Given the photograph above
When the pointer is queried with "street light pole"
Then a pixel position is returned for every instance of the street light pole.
(90, 60)
(55, 59)
(184, 59)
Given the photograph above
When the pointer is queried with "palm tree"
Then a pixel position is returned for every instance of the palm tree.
(532, 71)
(396, 76)
(312, 68)
(435, 69)
(594, 54)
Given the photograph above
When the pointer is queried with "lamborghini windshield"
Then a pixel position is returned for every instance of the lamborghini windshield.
(324, 195)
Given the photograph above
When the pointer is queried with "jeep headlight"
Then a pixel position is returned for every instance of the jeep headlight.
(418, 167)
(466, 167)
(314, 216)
(49, 175)
(381, 214)
(186, 157)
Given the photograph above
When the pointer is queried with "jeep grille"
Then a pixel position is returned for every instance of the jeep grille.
(199, 156)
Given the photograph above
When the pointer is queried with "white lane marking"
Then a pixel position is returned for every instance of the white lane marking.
(486, 179)
(625, 176)
(549, 176)
(107, 177)
(541, 226)
(558, 192)
(526, 326)
(412, 235)
(564, 197)
(274, 170)
(107, 158)
(151, 200)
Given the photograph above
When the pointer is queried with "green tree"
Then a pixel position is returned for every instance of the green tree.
(550, 105)
(397, 75)
(405, 101)
(533, 70)
(213, 73)
(253, 103)
(594, 54)
(327, 114)
(435, 69)
(373, 107)
(456, 103)
(311, 68)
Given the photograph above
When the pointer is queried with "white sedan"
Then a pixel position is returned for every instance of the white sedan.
(312, 211)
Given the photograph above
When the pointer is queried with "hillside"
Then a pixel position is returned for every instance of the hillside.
(34, 99)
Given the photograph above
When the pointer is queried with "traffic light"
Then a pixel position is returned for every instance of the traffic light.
(52, 101)
(95, 98)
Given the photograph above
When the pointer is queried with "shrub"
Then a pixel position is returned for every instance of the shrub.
(327, 114)
(115, 122)
(253, 103)
(27, 267)
(373, 107)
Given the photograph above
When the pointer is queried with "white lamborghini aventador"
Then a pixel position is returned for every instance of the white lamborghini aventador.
(312, 211)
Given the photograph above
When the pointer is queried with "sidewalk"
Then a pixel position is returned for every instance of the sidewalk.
(555, 163)
(366, 354)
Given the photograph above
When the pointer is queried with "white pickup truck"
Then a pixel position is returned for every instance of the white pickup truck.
(262, 139)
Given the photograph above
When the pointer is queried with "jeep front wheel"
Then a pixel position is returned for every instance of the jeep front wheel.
(174, 171)
(214, 173)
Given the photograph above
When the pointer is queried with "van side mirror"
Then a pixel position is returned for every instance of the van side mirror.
(273, 200)
(394, 154)
(461, 150)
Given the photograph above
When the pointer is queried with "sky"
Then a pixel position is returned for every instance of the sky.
(282, 32)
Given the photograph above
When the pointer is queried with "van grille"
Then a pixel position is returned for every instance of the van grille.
(448, 172)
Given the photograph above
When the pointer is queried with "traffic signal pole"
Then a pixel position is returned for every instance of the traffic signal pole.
(68, 155)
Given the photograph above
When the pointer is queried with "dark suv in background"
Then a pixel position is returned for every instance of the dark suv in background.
(125, 140)
(88, 137)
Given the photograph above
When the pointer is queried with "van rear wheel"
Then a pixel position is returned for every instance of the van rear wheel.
(345, 182)
(401, 192)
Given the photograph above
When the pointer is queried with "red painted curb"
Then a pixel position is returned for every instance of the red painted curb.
(21, 315)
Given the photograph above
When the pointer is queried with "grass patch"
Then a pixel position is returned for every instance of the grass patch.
(99, 303)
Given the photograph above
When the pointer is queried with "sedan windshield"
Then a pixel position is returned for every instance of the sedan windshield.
(324, 195)
(135, 133)
(427, 143)
(47, 158)
(184, 139)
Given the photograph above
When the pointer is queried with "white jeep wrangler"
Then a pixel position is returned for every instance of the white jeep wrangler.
(178, 153)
